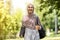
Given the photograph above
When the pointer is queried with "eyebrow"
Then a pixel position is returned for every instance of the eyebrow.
(31, 7)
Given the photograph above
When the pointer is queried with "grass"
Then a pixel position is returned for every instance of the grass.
(54, 35)
(46, 38)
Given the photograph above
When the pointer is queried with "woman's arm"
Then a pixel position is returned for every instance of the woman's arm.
(38, 26)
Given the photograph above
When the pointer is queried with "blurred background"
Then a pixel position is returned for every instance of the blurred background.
(12, 11)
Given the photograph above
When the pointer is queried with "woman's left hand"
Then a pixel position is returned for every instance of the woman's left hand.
(38, 27)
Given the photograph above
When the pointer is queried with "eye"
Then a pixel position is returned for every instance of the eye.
(30, 7)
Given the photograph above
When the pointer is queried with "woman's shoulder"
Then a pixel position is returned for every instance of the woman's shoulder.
(35, 15)
(24, 16)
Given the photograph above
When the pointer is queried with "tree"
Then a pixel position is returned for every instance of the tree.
(9, 24)
(45, 8)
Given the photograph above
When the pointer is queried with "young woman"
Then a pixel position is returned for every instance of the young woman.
(31, 29)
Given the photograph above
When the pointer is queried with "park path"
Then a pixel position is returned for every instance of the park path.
(46, 38)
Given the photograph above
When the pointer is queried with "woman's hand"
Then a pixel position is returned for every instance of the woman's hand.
(38, 27)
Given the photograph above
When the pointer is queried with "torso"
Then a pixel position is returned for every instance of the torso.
(31, 21)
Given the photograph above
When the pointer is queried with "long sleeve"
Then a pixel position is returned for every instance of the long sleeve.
(39, 23)
(23, 23)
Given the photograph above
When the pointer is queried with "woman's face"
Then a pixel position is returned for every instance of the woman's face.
(30, 9)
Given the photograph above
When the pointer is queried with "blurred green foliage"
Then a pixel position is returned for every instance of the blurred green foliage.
(10, 24)
(45, 10)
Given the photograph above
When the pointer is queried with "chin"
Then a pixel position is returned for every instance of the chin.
(30, 13)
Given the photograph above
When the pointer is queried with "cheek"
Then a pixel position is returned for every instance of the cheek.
(30, 9)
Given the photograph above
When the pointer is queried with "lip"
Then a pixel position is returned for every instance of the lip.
(30, 10)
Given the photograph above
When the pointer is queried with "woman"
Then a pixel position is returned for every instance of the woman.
(29, 22)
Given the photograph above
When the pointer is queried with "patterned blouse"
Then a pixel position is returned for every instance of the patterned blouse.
(30, 21)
